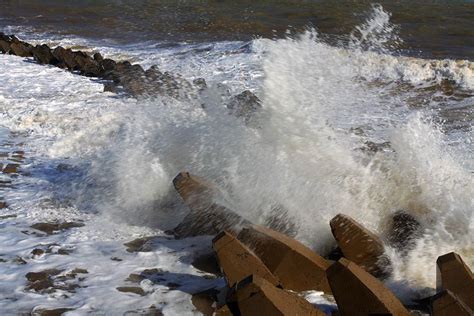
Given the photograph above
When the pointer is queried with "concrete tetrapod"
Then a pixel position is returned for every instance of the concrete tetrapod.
(256, 296)
(448, 304)
(360, 245)
(206, 217)
(298, 267)
(454, 275)
(238, 262)
(358, 293)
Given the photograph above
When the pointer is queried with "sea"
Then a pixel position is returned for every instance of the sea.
(367, 110)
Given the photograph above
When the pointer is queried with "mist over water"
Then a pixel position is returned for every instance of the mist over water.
(306, 150)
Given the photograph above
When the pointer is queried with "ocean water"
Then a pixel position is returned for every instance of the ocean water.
(329, 91)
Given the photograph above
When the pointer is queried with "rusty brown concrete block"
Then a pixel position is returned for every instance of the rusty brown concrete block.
(448, 304)
(298, 267)
(360, 245)
(454, 275)
(237, 261)
(256, 296)
(206, 217)
(358, 293)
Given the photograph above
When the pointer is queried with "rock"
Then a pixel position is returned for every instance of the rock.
(3, 205)
(132, 289)
(41, 281)
(359, 293)
(237, 261)
(454, 275)
(87, 66)
(111, 87)
(207, 263)
(66, 57)
(360, 245)
(108, 64)
(98, 57)
(37, 252)
(52, 228)
(5, 46)
(447, 303)
(20, 48)
(19, 260)
(206, 216)
(155, 275)
(79, 271)
(43, 55)
(138, 245)
(200, 83)
(373, 148)
(41, 275)
(50, 312)
(244, 104)
(257, 296)
(404, 229)
(281, 221)
(297, 266)
(11, 168)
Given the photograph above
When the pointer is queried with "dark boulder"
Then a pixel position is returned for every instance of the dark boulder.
(20, 48)
(66, 57)
(5, 42)
(108, 64)
(43, 55)
(244, 104)
(98, 57)
(87, 66)
(200, 83)
(403, 231)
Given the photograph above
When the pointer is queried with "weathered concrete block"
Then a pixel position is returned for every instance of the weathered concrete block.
(237, 261)
(297, 266)
(448, 304)
(206, 216)
(359, 293)
(256, 296)
(454, 275)
(360, 245)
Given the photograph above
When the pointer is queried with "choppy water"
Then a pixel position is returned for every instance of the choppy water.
(324, 97)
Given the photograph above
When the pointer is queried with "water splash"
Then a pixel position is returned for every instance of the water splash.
(305, 152)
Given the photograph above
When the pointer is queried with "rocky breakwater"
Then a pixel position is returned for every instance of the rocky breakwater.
(266, 271)
(123, 76)
(119, 75)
